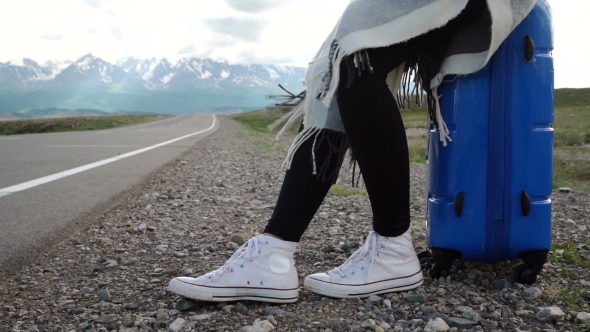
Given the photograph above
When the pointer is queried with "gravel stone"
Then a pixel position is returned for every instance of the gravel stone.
(374, 300)
(523, 313)
(129, 320)
(334, 230)
(130, 306)
(129, 329)
(488, 324)
(416, 298)
(436, 324)
(104, 295)
(350, 246)
(162, 314)
(105, 241)
(327, 249)
(238, 239)
(277, 312)
(583, 317)
(208, 247)
(259, 326)
(241, 308)
(105, 319)
(533, 292)
(460, 323)
(86, 290)
(501, 284)
(369, 323)
(428, 310)
(387, 303)
(177, 325)
(201, 317)
(216, 318)
(184, 304)
(550, 314)
(232, 246)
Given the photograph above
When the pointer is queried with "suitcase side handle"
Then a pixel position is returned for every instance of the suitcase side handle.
(458, 204)
(529, 48)
(525, 203)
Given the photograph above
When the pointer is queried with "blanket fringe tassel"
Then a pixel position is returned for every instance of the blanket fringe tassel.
(411, 91)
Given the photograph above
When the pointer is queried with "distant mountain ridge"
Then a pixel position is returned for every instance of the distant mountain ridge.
(146, 85)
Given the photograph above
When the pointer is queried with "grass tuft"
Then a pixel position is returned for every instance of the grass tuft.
(569, 253)
(574, 297)
(258, 121)
(346, 191)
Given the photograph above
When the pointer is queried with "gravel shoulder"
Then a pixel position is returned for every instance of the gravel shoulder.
(188, 218)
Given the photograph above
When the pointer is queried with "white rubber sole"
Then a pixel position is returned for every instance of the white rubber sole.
(344, 291)
(226, 294)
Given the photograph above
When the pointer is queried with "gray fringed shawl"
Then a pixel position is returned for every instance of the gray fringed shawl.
(369, 24)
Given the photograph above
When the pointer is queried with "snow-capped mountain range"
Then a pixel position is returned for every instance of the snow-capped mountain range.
(149, 74)
(186, 85)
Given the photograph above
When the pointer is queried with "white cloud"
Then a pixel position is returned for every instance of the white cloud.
(188, 49)
(242, 28)
(254, 6)
(285, 31)
(52, 36)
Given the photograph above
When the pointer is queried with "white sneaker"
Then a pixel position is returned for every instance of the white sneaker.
(262, 269)
(381, 265)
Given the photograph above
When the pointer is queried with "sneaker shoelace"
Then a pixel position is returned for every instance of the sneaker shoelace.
(247, 251)
(366, 252)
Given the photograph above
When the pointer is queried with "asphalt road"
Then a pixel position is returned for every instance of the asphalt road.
(49, 181)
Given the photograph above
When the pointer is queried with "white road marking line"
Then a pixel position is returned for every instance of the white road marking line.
(7, 138)
(30, 184)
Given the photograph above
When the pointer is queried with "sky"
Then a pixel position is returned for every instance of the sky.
(282, 32)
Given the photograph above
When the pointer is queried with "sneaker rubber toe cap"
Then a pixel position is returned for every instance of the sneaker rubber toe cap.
(319, 277)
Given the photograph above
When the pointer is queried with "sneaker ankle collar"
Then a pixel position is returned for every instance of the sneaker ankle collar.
(276, 242)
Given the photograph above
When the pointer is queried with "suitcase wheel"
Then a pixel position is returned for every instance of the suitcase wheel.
(533, 264)
(526, 274)
(443, 261)
(439, 271)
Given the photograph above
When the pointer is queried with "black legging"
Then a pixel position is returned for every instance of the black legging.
(375, 131)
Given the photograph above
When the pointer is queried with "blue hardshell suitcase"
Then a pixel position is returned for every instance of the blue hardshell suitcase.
(489, 189)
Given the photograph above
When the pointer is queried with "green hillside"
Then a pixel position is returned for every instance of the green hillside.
(572, 135)
(572, 97)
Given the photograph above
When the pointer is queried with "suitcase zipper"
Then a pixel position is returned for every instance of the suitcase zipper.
(499, 153)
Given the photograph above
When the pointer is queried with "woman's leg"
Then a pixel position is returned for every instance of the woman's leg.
(375, 128)
(377, 137)
(302, 192)
(376, 133)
